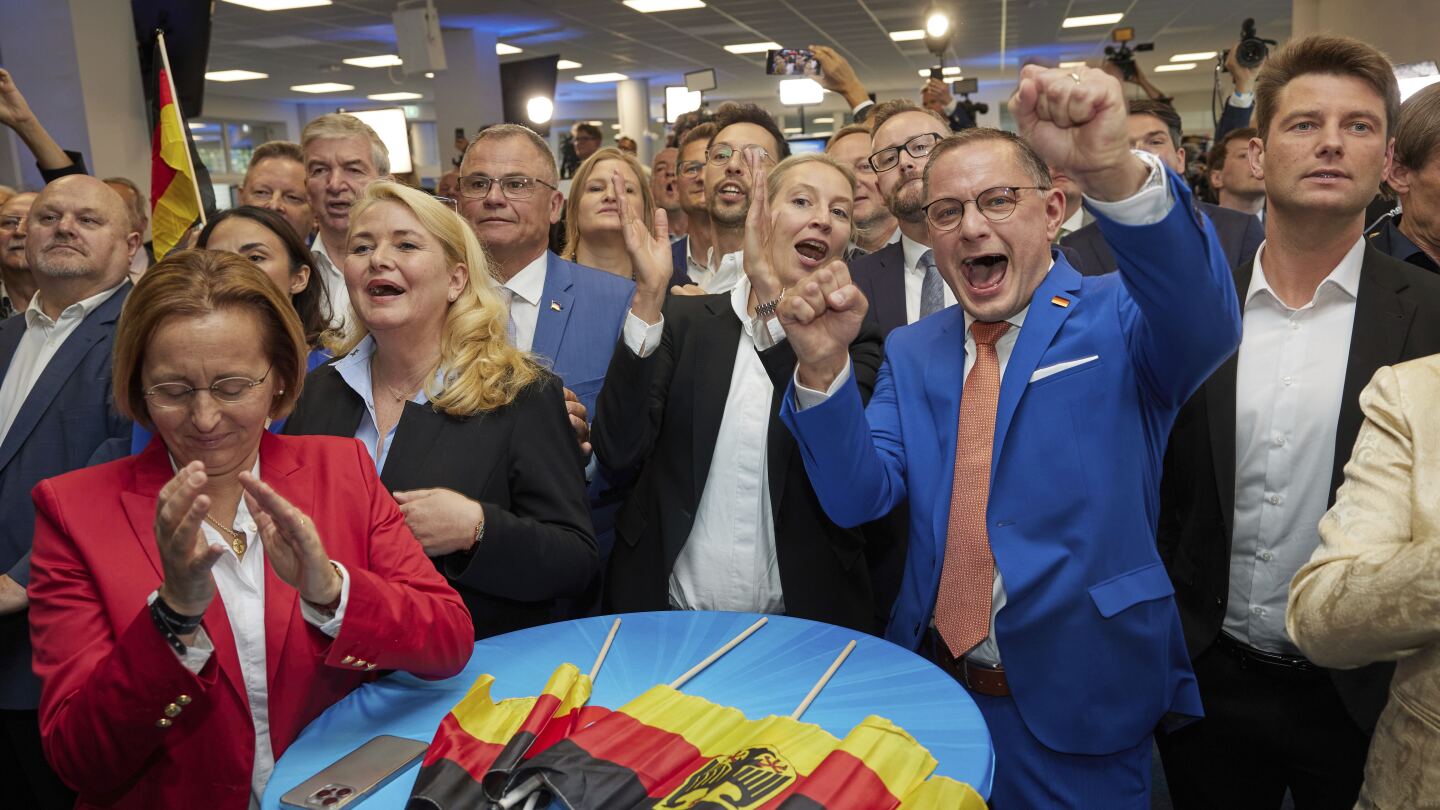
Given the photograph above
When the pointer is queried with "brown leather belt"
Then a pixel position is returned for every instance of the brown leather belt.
(988, 681)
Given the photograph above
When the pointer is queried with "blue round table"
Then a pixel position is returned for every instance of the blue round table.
(768, 673)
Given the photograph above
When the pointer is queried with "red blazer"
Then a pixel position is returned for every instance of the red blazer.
(109, 677)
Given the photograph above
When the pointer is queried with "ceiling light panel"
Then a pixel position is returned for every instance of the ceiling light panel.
(322, 87)
(601, 78)
(1092, 19)
(655, 6)
(234, 75)
(278, 5)
(384, 60)
(501, 49)
(753, 47)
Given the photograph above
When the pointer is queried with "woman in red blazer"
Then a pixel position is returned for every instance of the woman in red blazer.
(193, 607)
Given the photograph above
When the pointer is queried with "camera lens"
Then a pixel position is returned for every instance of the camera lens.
(1250, 53)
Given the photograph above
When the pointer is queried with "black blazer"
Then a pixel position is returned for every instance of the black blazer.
(664, 412)
(1397, 318)
(1240, 236)
(520, 462)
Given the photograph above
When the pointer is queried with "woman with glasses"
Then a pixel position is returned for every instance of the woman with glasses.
(195, 606)
(468, 432)
(594, 235)
(722, 516)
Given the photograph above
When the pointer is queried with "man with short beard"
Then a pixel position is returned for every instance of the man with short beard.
(17, 286)
(665, 188)
(55, 410)
(739, 130)
(900, 280)
(343, 156)
(875, 226)
(690, 185)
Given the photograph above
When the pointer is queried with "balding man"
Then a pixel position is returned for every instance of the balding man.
(17, 285)
(55, 410)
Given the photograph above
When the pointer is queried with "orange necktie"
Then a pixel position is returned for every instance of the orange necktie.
(962, 608)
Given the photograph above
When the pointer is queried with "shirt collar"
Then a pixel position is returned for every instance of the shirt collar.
(1401, 246)
(80, 310)
(737, 256)
(1017, 320)
(1075, 222)
(913, 251)
(327, 265)
(1345, 275)
(529, 284)
(354, 369)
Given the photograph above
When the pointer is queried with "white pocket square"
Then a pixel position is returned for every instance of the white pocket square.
(1042, 373)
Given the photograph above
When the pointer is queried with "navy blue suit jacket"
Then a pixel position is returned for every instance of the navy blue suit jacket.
(679, 259)
(1240, 236)
(1090, 633)
(69, 413)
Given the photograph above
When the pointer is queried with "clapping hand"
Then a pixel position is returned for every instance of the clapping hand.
(575, 409)
(760, 245)
(1076, 119)
(185, 556)
(821, 317)
(292, 546)
(649, 255)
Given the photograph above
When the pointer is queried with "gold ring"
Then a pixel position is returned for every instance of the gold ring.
(1075, 76)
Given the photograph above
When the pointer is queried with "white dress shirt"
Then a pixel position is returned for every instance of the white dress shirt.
(729, 562)
(240, 585)
(1148, 206)
(915, 279)
(1288, 389)
(42, 339)
(526, 287)
(327, 272)
(354, 369)
(722, 277)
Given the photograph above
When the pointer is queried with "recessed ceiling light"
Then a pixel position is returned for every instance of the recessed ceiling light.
(949, 71)
(322, 87)
(825, 120)
(800, 92)
(793, 130)
(614, 126)
(278, 5)
(384, 60)
(601, 78)
(429, 75)
(566, 64)
(753, 47)
(234, 75)
(501, 49)
(907, 36)
(1092, 19)
(1172, 68)
(652, 6)
(595, 123)
(1193, 57)
(395, 96)
(1072, 65)
(195, 125)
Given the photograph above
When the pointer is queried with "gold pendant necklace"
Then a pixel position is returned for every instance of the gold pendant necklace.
(236, 539)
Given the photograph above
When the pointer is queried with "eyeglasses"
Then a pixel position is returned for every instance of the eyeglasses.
(448, 202)
(720, 154)
(228, 391)
(994, 204)
(265, 195)
(477, 186)
(690, 168)
(918, 146)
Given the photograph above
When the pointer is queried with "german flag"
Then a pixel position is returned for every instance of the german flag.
(176, 173)
(670, 751)
(480, 741)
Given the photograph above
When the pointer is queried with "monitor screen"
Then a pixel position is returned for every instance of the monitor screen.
(798, 145)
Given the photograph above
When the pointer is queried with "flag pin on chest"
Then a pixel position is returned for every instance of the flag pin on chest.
(1060, 301)
(555, 305)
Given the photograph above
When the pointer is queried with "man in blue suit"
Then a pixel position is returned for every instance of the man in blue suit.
(55, 409)
(568, 314)
(1032, 575)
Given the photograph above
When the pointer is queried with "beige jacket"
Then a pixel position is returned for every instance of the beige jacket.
(1371, 592)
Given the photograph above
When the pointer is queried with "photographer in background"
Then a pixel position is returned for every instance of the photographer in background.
(936, 95)
(1242, 61)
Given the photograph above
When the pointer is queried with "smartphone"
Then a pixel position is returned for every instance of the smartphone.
(792, 62)
(965, 86)
(356, 775)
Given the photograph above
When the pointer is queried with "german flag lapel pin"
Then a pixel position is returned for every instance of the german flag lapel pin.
(1060, 301)
(555, 305)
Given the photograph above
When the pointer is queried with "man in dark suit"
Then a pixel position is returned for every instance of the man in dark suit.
(900, 280)
(1411, 235)
(1155, 128)
(1257, 454)
(55, 410)
(691, 251)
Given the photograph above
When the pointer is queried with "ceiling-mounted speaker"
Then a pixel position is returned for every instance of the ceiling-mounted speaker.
(417, 37)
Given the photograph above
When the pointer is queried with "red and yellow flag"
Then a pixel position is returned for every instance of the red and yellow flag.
(175, 202)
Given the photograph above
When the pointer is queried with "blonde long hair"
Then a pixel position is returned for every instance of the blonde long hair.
(481, 371)
(577, 189)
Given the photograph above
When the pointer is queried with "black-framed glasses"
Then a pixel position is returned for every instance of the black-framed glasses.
(720, 154)
(918, 146)
(476, 186)
(994, 204)
(228, 391)
(690, 168)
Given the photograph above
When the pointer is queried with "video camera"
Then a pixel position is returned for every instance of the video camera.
(966, 110)
(1122, 54)
(1251, 51)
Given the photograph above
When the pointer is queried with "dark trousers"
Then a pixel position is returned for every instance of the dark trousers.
(27, 778)
(1265, 730)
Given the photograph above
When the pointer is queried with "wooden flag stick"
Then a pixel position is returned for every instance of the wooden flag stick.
(604, 650)
(824, 679)
(712, 657)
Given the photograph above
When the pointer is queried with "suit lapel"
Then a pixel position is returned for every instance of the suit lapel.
(10, 333)
(1382, 319)
(891, 284)
(280, 469)
(1220, 392)
(550, 323)
(96, 327)
(717, 338)
(417, 438)
(944, 381)
(1042, 321)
